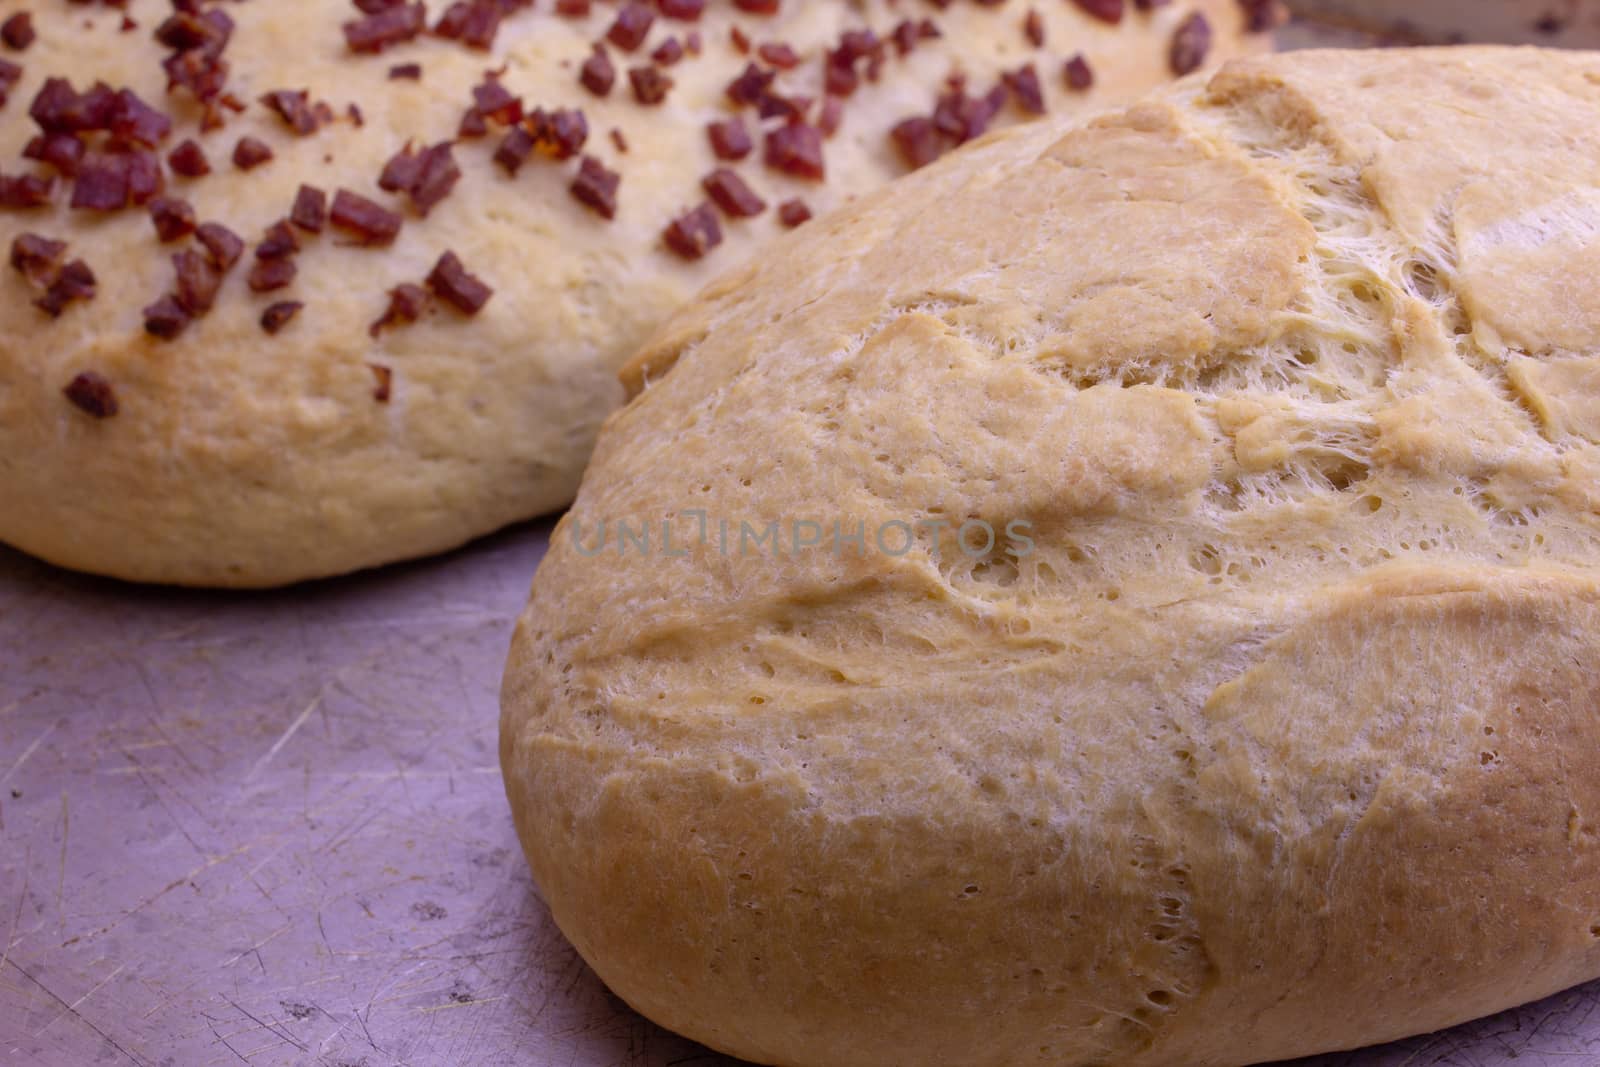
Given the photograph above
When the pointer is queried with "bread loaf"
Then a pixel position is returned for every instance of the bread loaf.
(1260, 724)
(435, 362)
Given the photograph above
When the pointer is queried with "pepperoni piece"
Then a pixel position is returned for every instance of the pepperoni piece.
(277, 316)
(250, 153)
(796, 148)
(694, 233)
(451, 282)
(596, 187)
(310, 211)
(729, 138)
(173, 218)
(188, 160)
(373, 223)
(389, 26)
(793, 212)
(1191, 43)
(92, 394)
(406, 304)
(732, 195)
(166, 318)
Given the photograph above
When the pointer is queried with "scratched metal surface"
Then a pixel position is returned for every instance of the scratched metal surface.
(269, 829)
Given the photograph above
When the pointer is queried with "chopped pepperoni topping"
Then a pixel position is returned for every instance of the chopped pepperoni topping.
(918, 141)
(631, 27)
(1261, 15)
(102, 183)
(575, 9)
(514, 149)
(277, 316)
(268, 275)
(294, 107)
(694, 233)
(732, 195)
(1078, 74)
(451, 282)
(58, 108)
(383, 382)
(279, 242)
(17, 31)
(406, 71)
(619, 139)
(165, 318)
(793, 212)
(473, 22)
(63, 151)
(197, 281)
(379, 30)
(406, 304)
(1191, 43)
(1025, 88)
(75, 281)
(559, 134)
(173, 218)
(832, 114)
(250, 153)
(667, 52)
(1104, 10)
(25, 190)
(596, 187)
(1033, 28)
(757, 7)
(222, 244)
(796, 148)
(650, 86)
(35, 257)
(473, 125)
(427, 177)
(494, 101)
(780, 55)
(92, 394)
(962, 117)
(751, 85)
(371, 222)
(10, 75)
(310, 211)
(729, 138)
(188, 160)
(683, 10)
(597, 74)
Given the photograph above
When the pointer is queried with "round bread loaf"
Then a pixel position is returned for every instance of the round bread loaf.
(424, 351)
(1125, 595)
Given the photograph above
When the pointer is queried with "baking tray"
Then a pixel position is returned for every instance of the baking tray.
(269, 829)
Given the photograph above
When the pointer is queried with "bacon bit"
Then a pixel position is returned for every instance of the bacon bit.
(427, 177)
(904, 35)
(1025, 88)
(294, 107)
(751, 85)
(35, 257)
(222, 244)
(102, 183)
(732, 195)
(173, 218)
(198, 41)
(472, 125)
(1150, 5)
(515, 147)
(277, 316)
(136, 122)
(10, 75)
(757, 7)
(310, 211)
(494, 101)
(271, 274)
(25, 190)
(17, 31)
(729, 138)
(474, 23)
(619, 140)
(650, 86)
(75, 281)
(165, 318)
(58, 108)
(1261, 15)
(407, 71)
(631, 27)
(560, 134)
(682, 10)
(1191, 43)
(406, 304)
(1078, 74)
(1033, 28)
(780, 55)
(197, 282)
(357, 119)
(832, 115)
(775, 106)
(793, 212)
(596, 187)
(1104, 10)
(92, 394)
(694, 233)
(740, 42)
(63, 151)
(371, 222)
(383, 28)
(597, 73)
(667, 52)
(145, 181)
(572, 9)
(796, 148)
(250, 153)
(188, 160)
(451, 282)
(918, 141)
(961, 117)
(279, 242)
(383, 379)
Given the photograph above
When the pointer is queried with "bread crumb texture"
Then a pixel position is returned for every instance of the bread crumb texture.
(206, 450)
(1277, 740)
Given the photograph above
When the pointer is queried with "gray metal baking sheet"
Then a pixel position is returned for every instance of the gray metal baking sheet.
(269, 829)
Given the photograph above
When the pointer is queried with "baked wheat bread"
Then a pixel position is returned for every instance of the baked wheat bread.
(146, 437)
(1269, 732)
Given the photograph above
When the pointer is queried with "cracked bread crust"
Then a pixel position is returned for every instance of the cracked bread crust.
(1274, 743)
